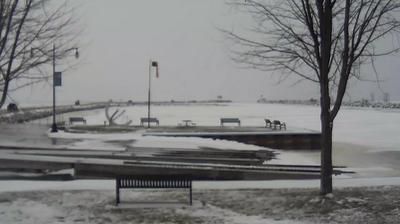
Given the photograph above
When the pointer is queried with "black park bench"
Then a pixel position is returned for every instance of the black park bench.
(279, 124)
(140, 182)
(77, 119)
(229, 120)
(149, 120)
(268, 123)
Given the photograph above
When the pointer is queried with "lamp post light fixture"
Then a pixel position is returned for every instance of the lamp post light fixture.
(56, 80)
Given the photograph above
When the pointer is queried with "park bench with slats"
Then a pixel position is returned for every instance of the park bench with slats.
(229, 120)
(137, 182)
(77, 119)
(268, 123)
(149, 120)
(279, 124)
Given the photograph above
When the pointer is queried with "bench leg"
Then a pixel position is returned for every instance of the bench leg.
(190, 196)
(117, 198)
(117, 193)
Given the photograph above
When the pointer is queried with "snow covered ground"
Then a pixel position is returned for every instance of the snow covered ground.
(253, 206)
(22, 186)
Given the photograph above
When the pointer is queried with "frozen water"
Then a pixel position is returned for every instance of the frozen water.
(377, 129)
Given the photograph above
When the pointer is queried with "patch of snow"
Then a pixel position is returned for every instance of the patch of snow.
(95, 144)
(191, 142)
(278, 184)
(212, 213)
(27, 211)
(105, 137)
(20, 185)
(94, 140)
(13, 186)
(291, 157)
(355, 200)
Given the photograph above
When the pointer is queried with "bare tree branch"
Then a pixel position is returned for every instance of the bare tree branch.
(27, 25)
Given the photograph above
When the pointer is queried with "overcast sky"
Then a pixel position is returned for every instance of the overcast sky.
(121, 36)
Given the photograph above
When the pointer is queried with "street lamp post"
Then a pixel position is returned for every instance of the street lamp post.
(151, 64)
(54, 127)
(149, 97)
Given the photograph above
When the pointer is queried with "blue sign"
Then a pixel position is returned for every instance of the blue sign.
(57, 79)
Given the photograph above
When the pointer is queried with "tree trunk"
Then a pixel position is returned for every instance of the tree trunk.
(325, 16)
(326, 144)
(4, 94)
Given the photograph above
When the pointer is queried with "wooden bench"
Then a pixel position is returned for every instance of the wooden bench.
(77, 119)
(279, 124)
(229, 120)
(149, 120)
(187, 123)
(140, 182)
(268, 123)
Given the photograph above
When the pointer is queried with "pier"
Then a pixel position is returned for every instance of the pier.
(200, 165)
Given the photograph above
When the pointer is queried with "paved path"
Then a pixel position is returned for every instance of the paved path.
(28, 135)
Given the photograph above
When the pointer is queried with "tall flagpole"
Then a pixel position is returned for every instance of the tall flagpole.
(148, 101)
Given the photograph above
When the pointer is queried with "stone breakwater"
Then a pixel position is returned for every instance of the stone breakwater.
(34, 113)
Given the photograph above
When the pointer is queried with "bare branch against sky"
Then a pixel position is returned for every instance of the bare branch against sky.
(28, 30)
(120, 39)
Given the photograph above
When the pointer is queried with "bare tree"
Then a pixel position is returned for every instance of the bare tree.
(323, 41)
(28, 30)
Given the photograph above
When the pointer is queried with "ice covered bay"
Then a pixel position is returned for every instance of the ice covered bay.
(376, 129)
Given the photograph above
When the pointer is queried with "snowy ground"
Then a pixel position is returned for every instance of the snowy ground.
(278, 206)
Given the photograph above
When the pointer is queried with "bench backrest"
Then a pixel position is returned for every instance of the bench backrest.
(277, 122)
(153, 182)
(230, 120)
(76, 119)
(145, 119)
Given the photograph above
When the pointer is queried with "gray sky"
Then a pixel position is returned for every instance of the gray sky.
(121, 37)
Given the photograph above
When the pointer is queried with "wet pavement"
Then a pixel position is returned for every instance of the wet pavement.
(34, 135)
